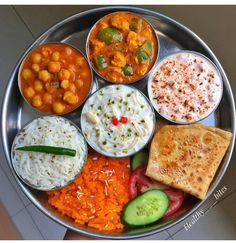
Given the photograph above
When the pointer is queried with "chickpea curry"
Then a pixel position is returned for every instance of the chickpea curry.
(122, 47)
(55, 78)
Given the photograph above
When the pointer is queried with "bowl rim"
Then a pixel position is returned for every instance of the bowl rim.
(57, 43)
(128, 154)
(174, 54)
(95, 69)
(23, 128)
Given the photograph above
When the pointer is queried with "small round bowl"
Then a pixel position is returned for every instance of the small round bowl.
(53, 188)
(211, 65)
(61, 44)
(118, 82)
(96, 146)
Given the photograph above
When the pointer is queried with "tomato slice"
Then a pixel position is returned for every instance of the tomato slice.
(176, 198)
(138, 180)
(183, 209)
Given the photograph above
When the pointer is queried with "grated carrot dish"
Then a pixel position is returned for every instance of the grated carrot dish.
(98, 195)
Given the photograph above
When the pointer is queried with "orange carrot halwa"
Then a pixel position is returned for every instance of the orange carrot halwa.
(98, 195)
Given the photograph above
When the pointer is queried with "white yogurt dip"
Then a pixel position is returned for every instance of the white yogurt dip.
(117, 121)
(185, 87)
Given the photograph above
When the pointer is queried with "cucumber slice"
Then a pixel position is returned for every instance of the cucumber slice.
(138, 159)
(145, 209)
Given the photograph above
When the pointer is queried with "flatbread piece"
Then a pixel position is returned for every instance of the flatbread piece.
(187, 156)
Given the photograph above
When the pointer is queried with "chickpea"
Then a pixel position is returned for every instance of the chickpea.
(36, 57)
(46, 51)
(68, 51)
(47, 98)
(29, 92)
(55, 56)
(64, 74)
(44, 75)
(49, 88)
(38, 86)
(84, 74)
(58, 107)
(27, 73)
(79, 60)
(72, 87)
(65, 83)
(70, 97)
(36, 67)
(54, 67)
(37, 101)
(79, 83)
(72, 68)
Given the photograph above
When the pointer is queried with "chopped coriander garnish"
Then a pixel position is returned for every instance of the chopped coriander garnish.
(125, 150)
(99, 108)
(104, 142)
(142, 106)
(142, 121)
(129, 130)
(136, 134)
(114, 145)
(117, 88)
(120, 107)
(125, 103)
(91, 105)
(97, 133)
(101, 92)
(128, 95)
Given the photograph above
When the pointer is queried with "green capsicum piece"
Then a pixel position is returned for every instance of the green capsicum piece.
(135, 25)
(127, 70)
(110, 35)
(101, 62)
(145, 52)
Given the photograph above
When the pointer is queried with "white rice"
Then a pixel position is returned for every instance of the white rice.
(48, 171)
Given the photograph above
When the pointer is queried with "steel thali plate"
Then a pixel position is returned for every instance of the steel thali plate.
(173, 36)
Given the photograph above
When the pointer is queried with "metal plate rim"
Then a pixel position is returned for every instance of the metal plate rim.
(81, 14)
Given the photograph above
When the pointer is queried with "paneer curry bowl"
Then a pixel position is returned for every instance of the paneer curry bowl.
(55, 78)
(122, 47)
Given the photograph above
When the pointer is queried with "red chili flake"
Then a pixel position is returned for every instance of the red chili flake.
(123, 119)
(115, 121)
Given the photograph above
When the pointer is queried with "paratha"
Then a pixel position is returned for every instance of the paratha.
(187, 156)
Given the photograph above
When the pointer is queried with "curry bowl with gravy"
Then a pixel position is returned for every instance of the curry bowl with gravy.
(122, 47)
(55, 78)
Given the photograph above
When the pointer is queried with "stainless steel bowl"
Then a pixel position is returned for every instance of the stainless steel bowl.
(95, 69)
(157, 67)
(173, 37)
(26, 181)
(61, 43)
(124, 154)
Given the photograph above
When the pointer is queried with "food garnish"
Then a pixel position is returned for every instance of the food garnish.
(98, 195)
(147, 208)
(187, 157)
(48, 150)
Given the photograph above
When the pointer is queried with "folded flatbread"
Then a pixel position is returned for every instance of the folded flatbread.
(187, 156)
